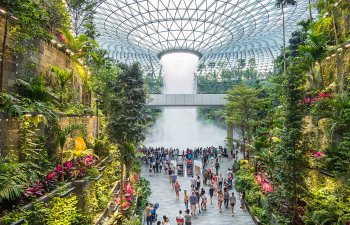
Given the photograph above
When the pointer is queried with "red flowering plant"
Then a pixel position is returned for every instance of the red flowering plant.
(50, 181)
(37, 190)
(322, 95)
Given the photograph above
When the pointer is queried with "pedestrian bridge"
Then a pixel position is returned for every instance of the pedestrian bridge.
(187, 100)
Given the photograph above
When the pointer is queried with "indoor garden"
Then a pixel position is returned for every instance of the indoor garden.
(79, 123)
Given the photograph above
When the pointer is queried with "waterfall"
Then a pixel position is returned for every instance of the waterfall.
(178, 127)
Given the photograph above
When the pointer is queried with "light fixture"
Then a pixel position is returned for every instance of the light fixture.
(13, 17)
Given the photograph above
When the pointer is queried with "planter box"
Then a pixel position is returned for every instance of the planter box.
(47, 197)
(18, 222)
(256, 220)
(101, 168)
(97, 178)
(65, 194)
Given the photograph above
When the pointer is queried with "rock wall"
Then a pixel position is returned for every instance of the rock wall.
(38, 61)
(10, 130)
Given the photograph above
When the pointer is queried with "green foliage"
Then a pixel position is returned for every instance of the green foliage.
(99, 191)
(35, 89)
(244, 180)
(260, 213)
(63, 212)
(126, 107)
(92, 172)
(56, 14)
(63, 77)
(241, 110)
(29, 25)
(38, 214)
(80, 45)
(154, 83)
(32, 150)
(12, 180)
(82, 15)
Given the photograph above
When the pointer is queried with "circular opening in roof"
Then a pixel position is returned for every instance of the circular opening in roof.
(160, 55)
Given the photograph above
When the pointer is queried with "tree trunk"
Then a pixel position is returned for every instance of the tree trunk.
(121, 191)
(339, 63)
(61, 162)
(3, 50)
(321, 76)
(310, 13)
(284, 42)
(335, 29)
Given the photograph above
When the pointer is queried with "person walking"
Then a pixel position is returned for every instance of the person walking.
(180, 219)
(220, 180)
(173, 179)
(177, 189)
(196, 191)
(186, 198)
(220, 200)
(166, 220)
(188, 218)
(193, 182)
(243, 200)
(232, 202)
(198, 182)
(193, 201)
(217, 166)
(211, 193)
(148, 214)
(226, 198)
(160, 166)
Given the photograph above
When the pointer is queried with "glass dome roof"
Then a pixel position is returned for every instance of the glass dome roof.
(217, 30)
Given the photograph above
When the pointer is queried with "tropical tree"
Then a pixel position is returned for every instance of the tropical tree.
(241, 109)
(82, 14)
(125, 108)
(81, 45)
(314, 50)
(63, 77)
(63, 135)
(291, 154)
(282, 4)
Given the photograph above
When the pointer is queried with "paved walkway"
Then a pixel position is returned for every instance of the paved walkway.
(163, 194)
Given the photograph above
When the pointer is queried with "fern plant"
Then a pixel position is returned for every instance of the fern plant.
(12, 181)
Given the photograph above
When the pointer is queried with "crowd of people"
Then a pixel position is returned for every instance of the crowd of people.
(197, 198)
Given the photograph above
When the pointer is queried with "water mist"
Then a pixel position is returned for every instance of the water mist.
(178, 127)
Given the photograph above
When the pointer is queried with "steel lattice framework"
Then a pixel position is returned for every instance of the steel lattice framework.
(217, 30)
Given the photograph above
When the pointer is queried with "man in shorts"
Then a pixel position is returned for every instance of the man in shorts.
(193, 201)
(232, 201)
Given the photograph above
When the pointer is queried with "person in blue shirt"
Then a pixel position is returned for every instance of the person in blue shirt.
(193, 201)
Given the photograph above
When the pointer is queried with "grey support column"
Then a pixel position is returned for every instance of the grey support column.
(229, 136)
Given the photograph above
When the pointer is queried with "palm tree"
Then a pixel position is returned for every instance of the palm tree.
(80, 45)
(63, 76)
(315, 49)
(281, 4)
(63, 134)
